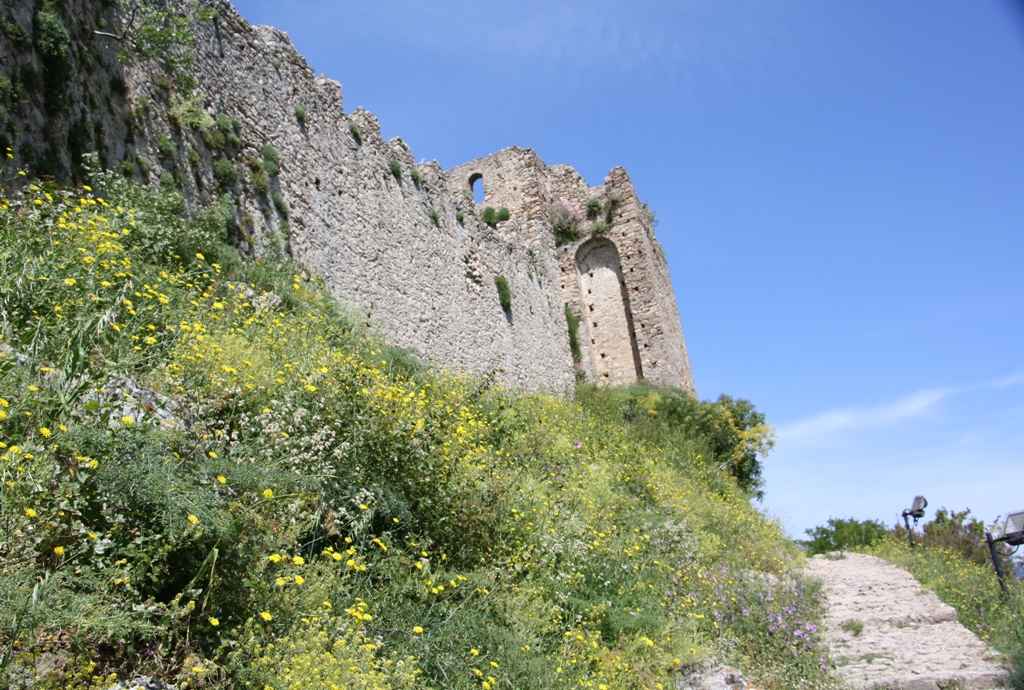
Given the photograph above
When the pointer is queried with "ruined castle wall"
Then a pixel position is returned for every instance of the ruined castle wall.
(617, 282)
(391, 246)
(369, 234)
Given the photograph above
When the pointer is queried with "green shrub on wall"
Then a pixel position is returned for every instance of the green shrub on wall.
(489, 216)
(165, 147)
(565, 224)
(504, 292)
(225, 172)
(353, 129)
(396, 169)
(271, 161)
(574, 334)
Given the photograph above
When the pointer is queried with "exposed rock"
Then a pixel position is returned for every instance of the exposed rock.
(711, 675)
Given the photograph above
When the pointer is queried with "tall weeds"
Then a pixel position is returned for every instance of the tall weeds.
(212, 475)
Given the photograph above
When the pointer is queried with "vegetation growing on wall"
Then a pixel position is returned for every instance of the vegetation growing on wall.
(489, 216)
(271, 160)
(565, 224)
(504, 293)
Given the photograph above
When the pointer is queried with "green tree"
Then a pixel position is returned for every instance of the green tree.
(841, 534)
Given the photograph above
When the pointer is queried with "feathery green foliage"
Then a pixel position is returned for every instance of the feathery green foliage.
(207, 459)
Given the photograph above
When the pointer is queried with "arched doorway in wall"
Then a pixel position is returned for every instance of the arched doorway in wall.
(614, 355)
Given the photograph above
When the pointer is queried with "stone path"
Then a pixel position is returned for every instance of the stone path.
(886, 631)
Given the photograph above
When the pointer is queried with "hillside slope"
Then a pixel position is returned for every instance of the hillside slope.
(212, 475)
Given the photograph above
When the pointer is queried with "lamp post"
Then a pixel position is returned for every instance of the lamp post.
(1013, 535)
(916, 511)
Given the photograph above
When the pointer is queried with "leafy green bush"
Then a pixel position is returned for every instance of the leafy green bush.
(281, 205)
(225, 172)
(460, 216)
(193, 158)
(213, 138)
(145, 165)
(224, 124)
(271, 161)
(489, 216)
(504, 293)
(593, 207)
(598, 227)
(565, 225)
(414, 175)
(396, 169)
(188, 111)
(53, 42)
(353, 129)
(435, 218)
(260, 182)
(841, 535)
(503, 214)
(18, 36)
(52, 36)
(165, 147)
(300, 114)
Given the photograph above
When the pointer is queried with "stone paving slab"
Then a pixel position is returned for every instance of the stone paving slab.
(886, 631)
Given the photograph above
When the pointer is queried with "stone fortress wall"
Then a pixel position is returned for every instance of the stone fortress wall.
(390, 245)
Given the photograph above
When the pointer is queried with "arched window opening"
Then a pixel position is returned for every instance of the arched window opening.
(476, 183)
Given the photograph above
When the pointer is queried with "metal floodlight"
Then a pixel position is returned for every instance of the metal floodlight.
(1013, 535)
(1013, 529)
(916, 511)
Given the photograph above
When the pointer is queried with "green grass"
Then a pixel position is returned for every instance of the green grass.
(213, 475)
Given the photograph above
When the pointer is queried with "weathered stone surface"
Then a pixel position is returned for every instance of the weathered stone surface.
(886, 631)
(389, 244)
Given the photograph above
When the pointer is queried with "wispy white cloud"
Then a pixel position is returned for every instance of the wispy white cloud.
(856, 418)
(912, 406)
(1013, 380)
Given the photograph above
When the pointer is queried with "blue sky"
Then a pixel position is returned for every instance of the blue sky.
(840, 189)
